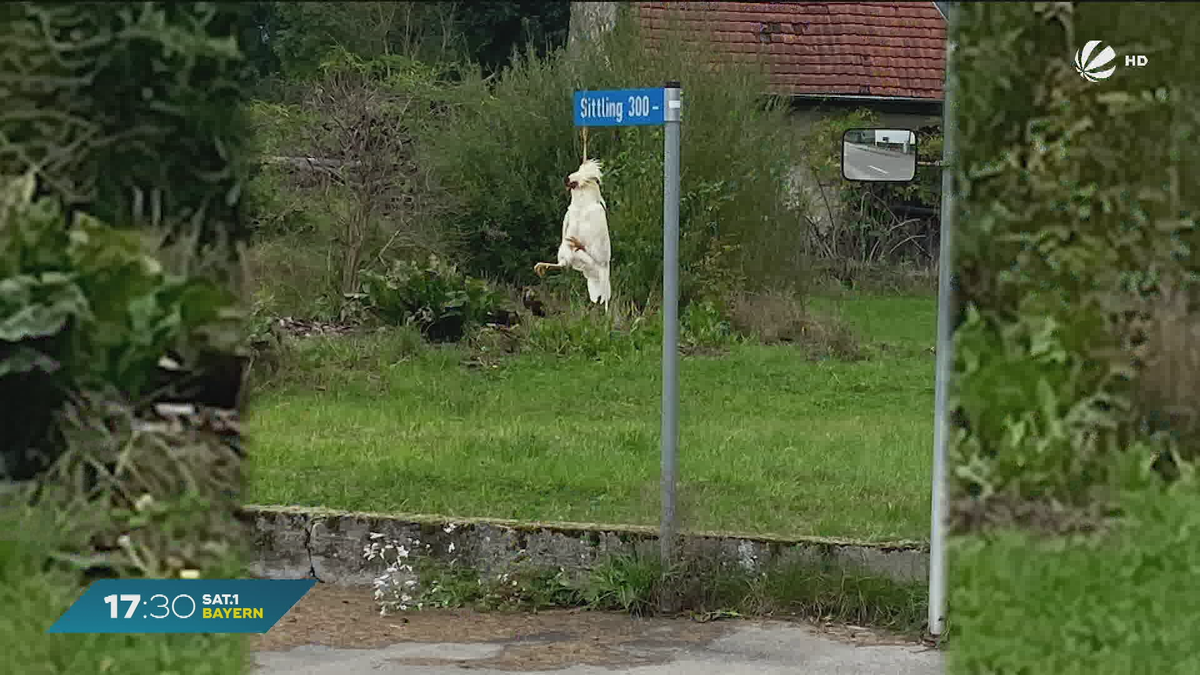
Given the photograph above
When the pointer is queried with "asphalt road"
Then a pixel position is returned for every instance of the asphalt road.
(747, 648)
(862, 164)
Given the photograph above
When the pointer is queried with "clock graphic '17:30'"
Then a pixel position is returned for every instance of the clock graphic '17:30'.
(167, 607)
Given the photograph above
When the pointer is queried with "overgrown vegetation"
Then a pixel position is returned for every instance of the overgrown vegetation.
(80, 107)
(300, 34)
(474, 179)
(118, 224)
(440, 300)
(703, 588)
(708, 590)
(1073, 484)
(1077, 258)
(507, 162)
(484, 184)
(85, 307)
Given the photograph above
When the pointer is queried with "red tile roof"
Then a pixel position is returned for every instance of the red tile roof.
(889, 49)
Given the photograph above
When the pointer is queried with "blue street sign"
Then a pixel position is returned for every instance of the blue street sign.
(619, 108)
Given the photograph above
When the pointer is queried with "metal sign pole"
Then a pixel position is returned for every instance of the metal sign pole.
(945, 340)
(652, 107)
(670, 357)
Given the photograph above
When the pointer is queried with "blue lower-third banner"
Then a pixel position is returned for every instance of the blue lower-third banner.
(182, 605)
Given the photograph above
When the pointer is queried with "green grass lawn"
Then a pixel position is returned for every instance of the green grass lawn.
(770, 441)
(1123, 604)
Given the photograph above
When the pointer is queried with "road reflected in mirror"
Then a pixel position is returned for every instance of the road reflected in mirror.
(879, 155)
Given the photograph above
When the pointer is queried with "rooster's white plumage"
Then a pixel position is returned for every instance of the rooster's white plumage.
(585, 245)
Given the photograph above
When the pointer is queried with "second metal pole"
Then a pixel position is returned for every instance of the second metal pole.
(945, 337)
(670, 310)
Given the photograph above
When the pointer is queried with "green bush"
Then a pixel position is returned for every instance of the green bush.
(85, 317)
(364, 200)
(506, 145)
(130, 111)
(704, 325)
(440, 300)
(1075, 217)
(83, 307)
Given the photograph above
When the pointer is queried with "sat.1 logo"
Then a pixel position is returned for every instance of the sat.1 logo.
(1094, 65)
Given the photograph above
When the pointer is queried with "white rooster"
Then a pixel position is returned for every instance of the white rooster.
(585, 245)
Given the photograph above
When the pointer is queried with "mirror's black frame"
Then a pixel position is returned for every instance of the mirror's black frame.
(915, 155)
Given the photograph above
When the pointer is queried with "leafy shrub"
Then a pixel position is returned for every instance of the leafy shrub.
(1076, 231)
(122, 487)
(436, 297)
(129, 111)
(361, 195)
(82, 306)
(124, 140)
(85, 317)
(704, 326)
